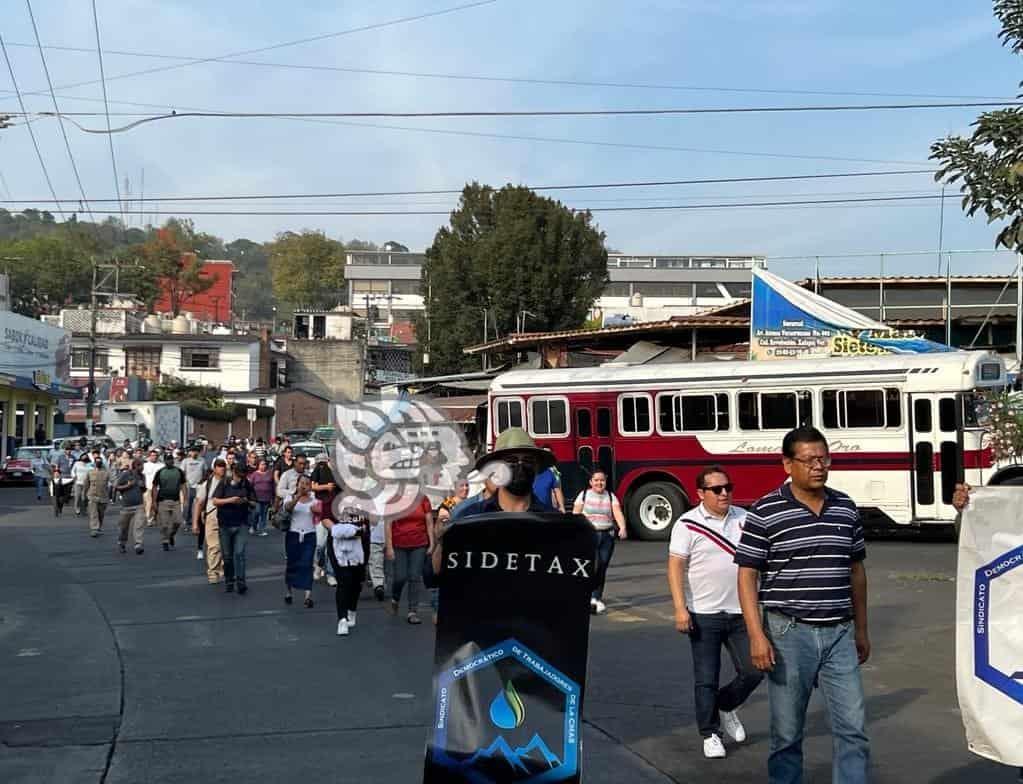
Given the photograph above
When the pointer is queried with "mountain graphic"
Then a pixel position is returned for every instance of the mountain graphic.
(533, 758)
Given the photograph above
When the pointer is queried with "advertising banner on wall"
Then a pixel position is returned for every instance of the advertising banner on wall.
(789, 322)
(989, 623)
(34, 352)
(510, 665)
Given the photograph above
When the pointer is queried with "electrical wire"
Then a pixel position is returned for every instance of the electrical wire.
(527, 80)
(35, 144)
(643, 208)
(56, 109)
(549, 140)
(450, 191)
(106, 106)
(461, 115)
(285, 44)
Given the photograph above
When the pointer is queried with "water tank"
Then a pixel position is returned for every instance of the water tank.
(151, 323)
(180, 326)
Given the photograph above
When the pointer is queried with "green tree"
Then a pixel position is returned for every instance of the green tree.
(307, 269)
(47, 272)
(989, 163)
(253, 295)
(507, 250)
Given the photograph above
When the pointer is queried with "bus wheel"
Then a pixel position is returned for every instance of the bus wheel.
(653, 508)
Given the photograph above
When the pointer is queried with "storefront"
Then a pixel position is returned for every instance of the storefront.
(34, 367)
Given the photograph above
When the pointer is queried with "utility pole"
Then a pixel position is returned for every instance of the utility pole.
(106, 282)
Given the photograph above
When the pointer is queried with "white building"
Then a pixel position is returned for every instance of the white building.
(388, 285)
(655, 288)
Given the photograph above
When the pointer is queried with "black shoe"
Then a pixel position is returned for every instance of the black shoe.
(242, 589)
(166, 547)
(121, 548)
(308, 603)
(139, 550)
(172, 542)
(378, 592)
(288, 599)
(229, 588)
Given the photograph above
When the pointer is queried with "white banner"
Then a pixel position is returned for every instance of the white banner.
(989, 623)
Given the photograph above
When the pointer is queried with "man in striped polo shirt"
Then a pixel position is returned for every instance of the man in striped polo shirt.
(803, 548)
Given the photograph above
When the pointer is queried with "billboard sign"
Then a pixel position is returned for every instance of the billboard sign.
(34, 351)
(789, 322)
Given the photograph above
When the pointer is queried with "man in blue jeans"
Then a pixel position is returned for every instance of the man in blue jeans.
(702, 576)
(233, 499)
(803, 543)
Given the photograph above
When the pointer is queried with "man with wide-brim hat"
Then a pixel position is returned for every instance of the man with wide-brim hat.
(511, 468)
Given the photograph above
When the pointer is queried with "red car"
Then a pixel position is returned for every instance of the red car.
(18, 467)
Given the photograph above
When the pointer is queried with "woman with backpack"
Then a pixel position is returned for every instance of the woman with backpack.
(601, 507)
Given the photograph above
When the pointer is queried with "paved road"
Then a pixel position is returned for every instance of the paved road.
(126, 669)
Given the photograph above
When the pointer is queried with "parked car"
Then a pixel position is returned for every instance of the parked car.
(297, 435)
(311, 450)
(18, 467)
(324, 434)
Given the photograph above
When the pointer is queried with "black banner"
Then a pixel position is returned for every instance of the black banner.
(512, 636)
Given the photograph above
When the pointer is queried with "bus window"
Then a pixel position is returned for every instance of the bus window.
(805, 400)
(857, 408)
(690, 413)
(723, 418)
(777, 410)
(509, 414)
(922, 422)
(947, 414)
(634, 415)
(603, 422)
(749, 416)
(548, 417)
(586, 459)
(583, 427)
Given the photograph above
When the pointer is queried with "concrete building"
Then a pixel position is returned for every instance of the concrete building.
(335, 324)
(331, 368)
(654, 288)
(388, 285)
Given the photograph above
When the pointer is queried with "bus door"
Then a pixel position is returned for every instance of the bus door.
(935, 435)
(593, 444)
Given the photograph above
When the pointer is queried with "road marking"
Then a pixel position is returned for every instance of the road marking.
(188, 618)
(403, 695)
(620, 616)
(29, 652)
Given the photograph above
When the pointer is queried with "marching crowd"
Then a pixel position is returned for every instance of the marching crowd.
(779, 588)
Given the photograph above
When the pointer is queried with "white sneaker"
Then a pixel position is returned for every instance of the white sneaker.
(342, 628)
(732, 726)
(351, 619)
(593, 605)
(318, 573)
(713, 748)
(599, 607)
(331, 581)
(198, 555)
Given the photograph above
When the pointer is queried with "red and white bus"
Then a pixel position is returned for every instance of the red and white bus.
(903, 429)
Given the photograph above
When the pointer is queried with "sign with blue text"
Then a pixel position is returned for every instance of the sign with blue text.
(512, 636)
(789, 322)
(989, 623)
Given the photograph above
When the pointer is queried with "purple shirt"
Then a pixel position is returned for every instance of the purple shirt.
(263, 485)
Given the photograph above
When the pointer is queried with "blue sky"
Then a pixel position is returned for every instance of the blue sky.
(810, 45)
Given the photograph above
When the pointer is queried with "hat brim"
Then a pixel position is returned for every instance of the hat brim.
(544, 459)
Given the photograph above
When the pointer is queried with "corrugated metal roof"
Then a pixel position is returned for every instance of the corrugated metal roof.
(676, 322)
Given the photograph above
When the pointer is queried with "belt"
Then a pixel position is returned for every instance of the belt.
(810, 623)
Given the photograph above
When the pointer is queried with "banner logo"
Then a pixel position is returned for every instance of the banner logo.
(390, 452)
(533, 729)
(1007, 680)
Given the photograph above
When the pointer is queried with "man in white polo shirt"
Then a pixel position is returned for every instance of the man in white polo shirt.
(704, 588)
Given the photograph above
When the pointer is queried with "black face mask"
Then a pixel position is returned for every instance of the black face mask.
(522, 476)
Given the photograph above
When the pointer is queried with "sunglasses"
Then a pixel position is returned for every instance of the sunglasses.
(719, 489)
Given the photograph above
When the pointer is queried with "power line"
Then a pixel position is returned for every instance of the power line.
(311, 39)
(527, 80)
(56, 109)
(449, 191)
(644, 208)
(35, 144)
(550, 140)
(106, 106)
(175, 115)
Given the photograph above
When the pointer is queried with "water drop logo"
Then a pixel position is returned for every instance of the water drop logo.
(506, 710)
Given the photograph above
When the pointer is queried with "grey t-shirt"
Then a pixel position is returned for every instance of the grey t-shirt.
(194, 470)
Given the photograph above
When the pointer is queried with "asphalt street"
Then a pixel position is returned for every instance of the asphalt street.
(128, 669)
